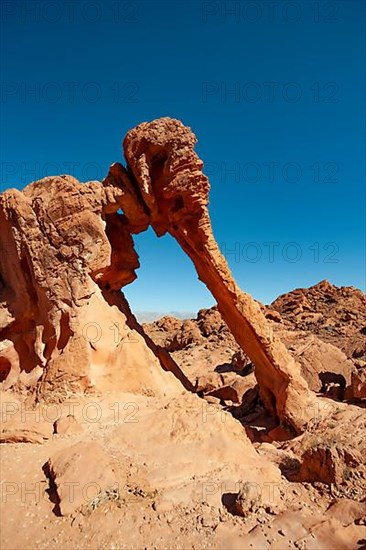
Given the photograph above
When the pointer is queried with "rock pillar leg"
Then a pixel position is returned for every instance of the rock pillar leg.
(282, 388)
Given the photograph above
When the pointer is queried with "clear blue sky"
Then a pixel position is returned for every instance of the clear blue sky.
(274, 91)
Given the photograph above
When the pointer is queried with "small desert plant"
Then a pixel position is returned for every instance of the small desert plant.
(111, 494)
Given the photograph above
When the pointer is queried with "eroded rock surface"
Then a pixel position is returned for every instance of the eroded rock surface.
(324, 364)
(64, 325)
(337, 315)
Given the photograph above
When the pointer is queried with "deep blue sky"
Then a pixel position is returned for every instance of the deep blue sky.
(294, 129)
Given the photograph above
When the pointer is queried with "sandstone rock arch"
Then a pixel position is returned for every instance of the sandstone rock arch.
(66, 252)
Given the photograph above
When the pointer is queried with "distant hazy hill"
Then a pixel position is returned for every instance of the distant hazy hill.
(150, 316)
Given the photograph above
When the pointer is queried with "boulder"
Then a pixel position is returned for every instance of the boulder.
(249, 499)
(358, 384)
(322, 364)
(67, 425)
(327, 464)
(80, 473)
(347, 511)
(186, 335)
(18, 430)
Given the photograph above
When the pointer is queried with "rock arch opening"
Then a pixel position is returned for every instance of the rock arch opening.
(166, 282)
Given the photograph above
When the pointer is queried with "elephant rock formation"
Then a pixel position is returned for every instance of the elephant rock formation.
(66, 252)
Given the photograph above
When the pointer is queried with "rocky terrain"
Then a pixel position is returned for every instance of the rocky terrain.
(241, 428)
(323, 327)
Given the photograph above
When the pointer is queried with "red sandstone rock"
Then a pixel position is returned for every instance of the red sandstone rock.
(236, 390)
(239, 361)
(322, 364)
(358, 384)
(327, 464)
(211, 323)
(67, 425)
(67, 252)
(347, 511)
(80, 473)
(335, 314)
(18, 430)
(248, 500)
(186, 335)
(64, 325)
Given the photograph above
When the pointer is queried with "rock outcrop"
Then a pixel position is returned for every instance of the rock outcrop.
(337, 315)
(325, 363)
(18, 431)
(326, 464)
(80, 473)
(64, 325)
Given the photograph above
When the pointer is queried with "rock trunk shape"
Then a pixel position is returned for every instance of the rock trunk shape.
(168, 172)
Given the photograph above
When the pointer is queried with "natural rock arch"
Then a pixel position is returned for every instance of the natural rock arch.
(70, 248)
